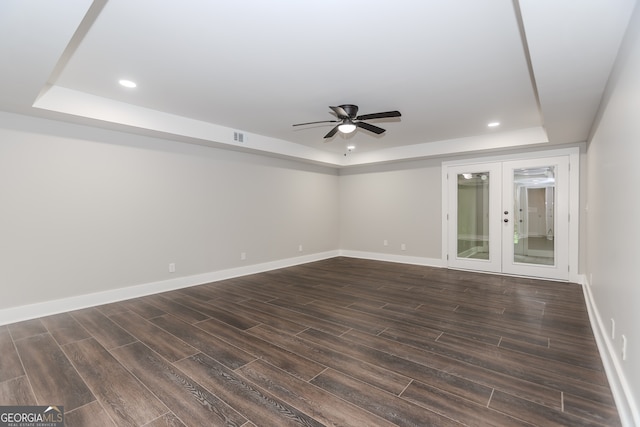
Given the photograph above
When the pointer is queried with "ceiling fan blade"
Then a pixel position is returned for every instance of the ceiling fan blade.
(340, 112)
(313, 123)
(332, 132)
(379, 115)
(370, 127)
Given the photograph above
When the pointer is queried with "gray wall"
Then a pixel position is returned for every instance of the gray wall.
(87, 210)
(400, 203)
(612, 220)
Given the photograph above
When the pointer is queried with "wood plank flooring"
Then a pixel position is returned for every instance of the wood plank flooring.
(339, 342)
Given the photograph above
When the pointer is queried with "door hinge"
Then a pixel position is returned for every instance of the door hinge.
(447, 217)
(447, 257)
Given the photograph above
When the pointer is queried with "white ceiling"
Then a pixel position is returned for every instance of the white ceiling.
(206, 69)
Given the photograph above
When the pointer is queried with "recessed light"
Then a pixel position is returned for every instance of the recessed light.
(127, 83)
(493, 124)
(351, 147)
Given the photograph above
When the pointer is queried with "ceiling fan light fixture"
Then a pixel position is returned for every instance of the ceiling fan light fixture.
(346, 126)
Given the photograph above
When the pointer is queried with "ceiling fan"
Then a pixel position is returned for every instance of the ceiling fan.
(349, 120)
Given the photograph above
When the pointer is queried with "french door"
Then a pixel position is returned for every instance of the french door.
(510, 217)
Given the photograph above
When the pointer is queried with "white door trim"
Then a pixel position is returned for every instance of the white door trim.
(573, 154)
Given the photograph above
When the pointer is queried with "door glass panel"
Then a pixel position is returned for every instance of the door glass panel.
(473, 215)
(534, 209)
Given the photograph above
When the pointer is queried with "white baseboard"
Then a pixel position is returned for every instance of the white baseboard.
(627, 408)
(47, 308)
(403, 259)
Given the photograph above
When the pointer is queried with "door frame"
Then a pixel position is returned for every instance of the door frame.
(573, 155)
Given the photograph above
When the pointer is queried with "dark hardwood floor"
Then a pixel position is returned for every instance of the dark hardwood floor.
(340, 342)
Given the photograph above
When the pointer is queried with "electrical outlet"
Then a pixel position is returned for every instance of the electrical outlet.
(172, 268)
(613, 329)
(624, 347)
(243, 256)
(299, 248)
(403, 247)
(385, 242)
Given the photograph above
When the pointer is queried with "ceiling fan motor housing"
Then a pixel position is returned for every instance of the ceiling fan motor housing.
(350, 109)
